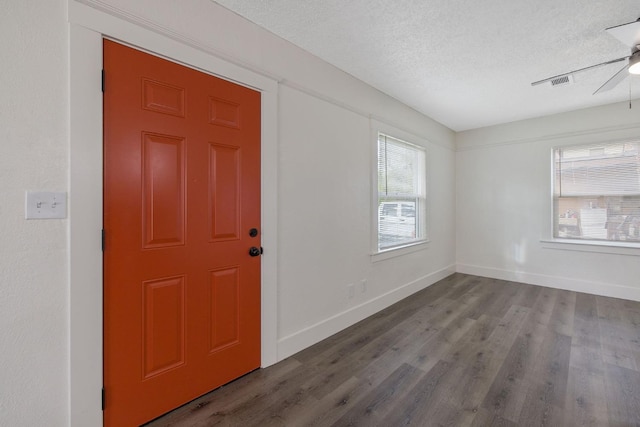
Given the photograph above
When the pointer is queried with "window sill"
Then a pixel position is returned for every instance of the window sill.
(615, 248)
(399, 251)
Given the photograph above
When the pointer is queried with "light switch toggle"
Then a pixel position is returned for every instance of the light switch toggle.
(45, 205)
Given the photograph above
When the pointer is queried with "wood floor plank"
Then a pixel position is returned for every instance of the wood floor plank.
(586, 351)
(461, 285)
(527, 295)
(584, 405)
(466, 351)
(619, 345)
(561, 319)
(421, 398)
(482, 296)
(441, 343)
(477, 368)
(546, 394)
(502, 302)
(505, 397)
(622, 395)
(371, 408)
(485, 418)
(334, 405)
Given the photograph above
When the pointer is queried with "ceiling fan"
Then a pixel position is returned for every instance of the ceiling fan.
(628, 34)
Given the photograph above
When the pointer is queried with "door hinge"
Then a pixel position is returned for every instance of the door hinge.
(103, 81)
(103, 399)
(104, 238)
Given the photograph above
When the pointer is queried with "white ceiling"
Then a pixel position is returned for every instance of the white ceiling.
(464, 63)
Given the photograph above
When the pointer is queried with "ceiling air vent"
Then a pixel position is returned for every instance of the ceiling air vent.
(562, 80)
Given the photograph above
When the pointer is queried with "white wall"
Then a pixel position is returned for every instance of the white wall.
(320, 109)
(325, 174)
(33, 254)
(503, 179)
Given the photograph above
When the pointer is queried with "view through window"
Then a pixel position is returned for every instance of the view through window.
(401, 193)
(597, 192)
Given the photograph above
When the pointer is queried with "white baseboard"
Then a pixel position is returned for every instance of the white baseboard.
(557, 282)
(306, 337)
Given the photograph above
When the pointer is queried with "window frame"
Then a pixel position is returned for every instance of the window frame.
(605, 244)
(422, 217)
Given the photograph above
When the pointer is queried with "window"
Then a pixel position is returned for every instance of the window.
(597, 192)
(401, 193)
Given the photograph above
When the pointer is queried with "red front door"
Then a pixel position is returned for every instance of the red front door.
(181, 194)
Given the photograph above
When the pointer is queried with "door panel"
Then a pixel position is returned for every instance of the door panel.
(181, 191)
(224, 183)
(164, 333)
(163, 190)
(224, 287)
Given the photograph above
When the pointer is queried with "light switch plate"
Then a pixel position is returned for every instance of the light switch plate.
(45, 205)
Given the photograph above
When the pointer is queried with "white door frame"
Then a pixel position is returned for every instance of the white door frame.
(88, 26)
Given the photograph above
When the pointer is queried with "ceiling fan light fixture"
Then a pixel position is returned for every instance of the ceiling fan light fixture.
(634, 63)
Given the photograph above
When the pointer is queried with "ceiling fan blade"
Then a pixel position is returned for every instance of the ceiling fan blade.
(628, 34)
(548, 79)
(614, 81)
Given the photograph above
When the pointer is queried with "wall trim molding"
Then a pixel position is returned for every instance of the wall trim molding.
(552, 137)
(313, 334)
(557, 282)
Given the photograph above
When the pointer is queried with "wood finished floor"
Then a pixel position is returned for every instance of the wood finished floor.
(467, 351)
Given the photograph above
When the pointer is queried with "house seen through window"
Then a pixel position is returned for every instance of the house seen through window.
(401, 193)
(597, 192)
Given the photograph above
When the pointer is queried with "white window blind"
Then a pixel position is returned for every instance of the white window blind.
(597, 192)
(401, 193)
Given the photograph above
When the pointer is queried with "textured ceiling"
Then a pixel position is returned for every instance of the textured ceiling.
(464, 63)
